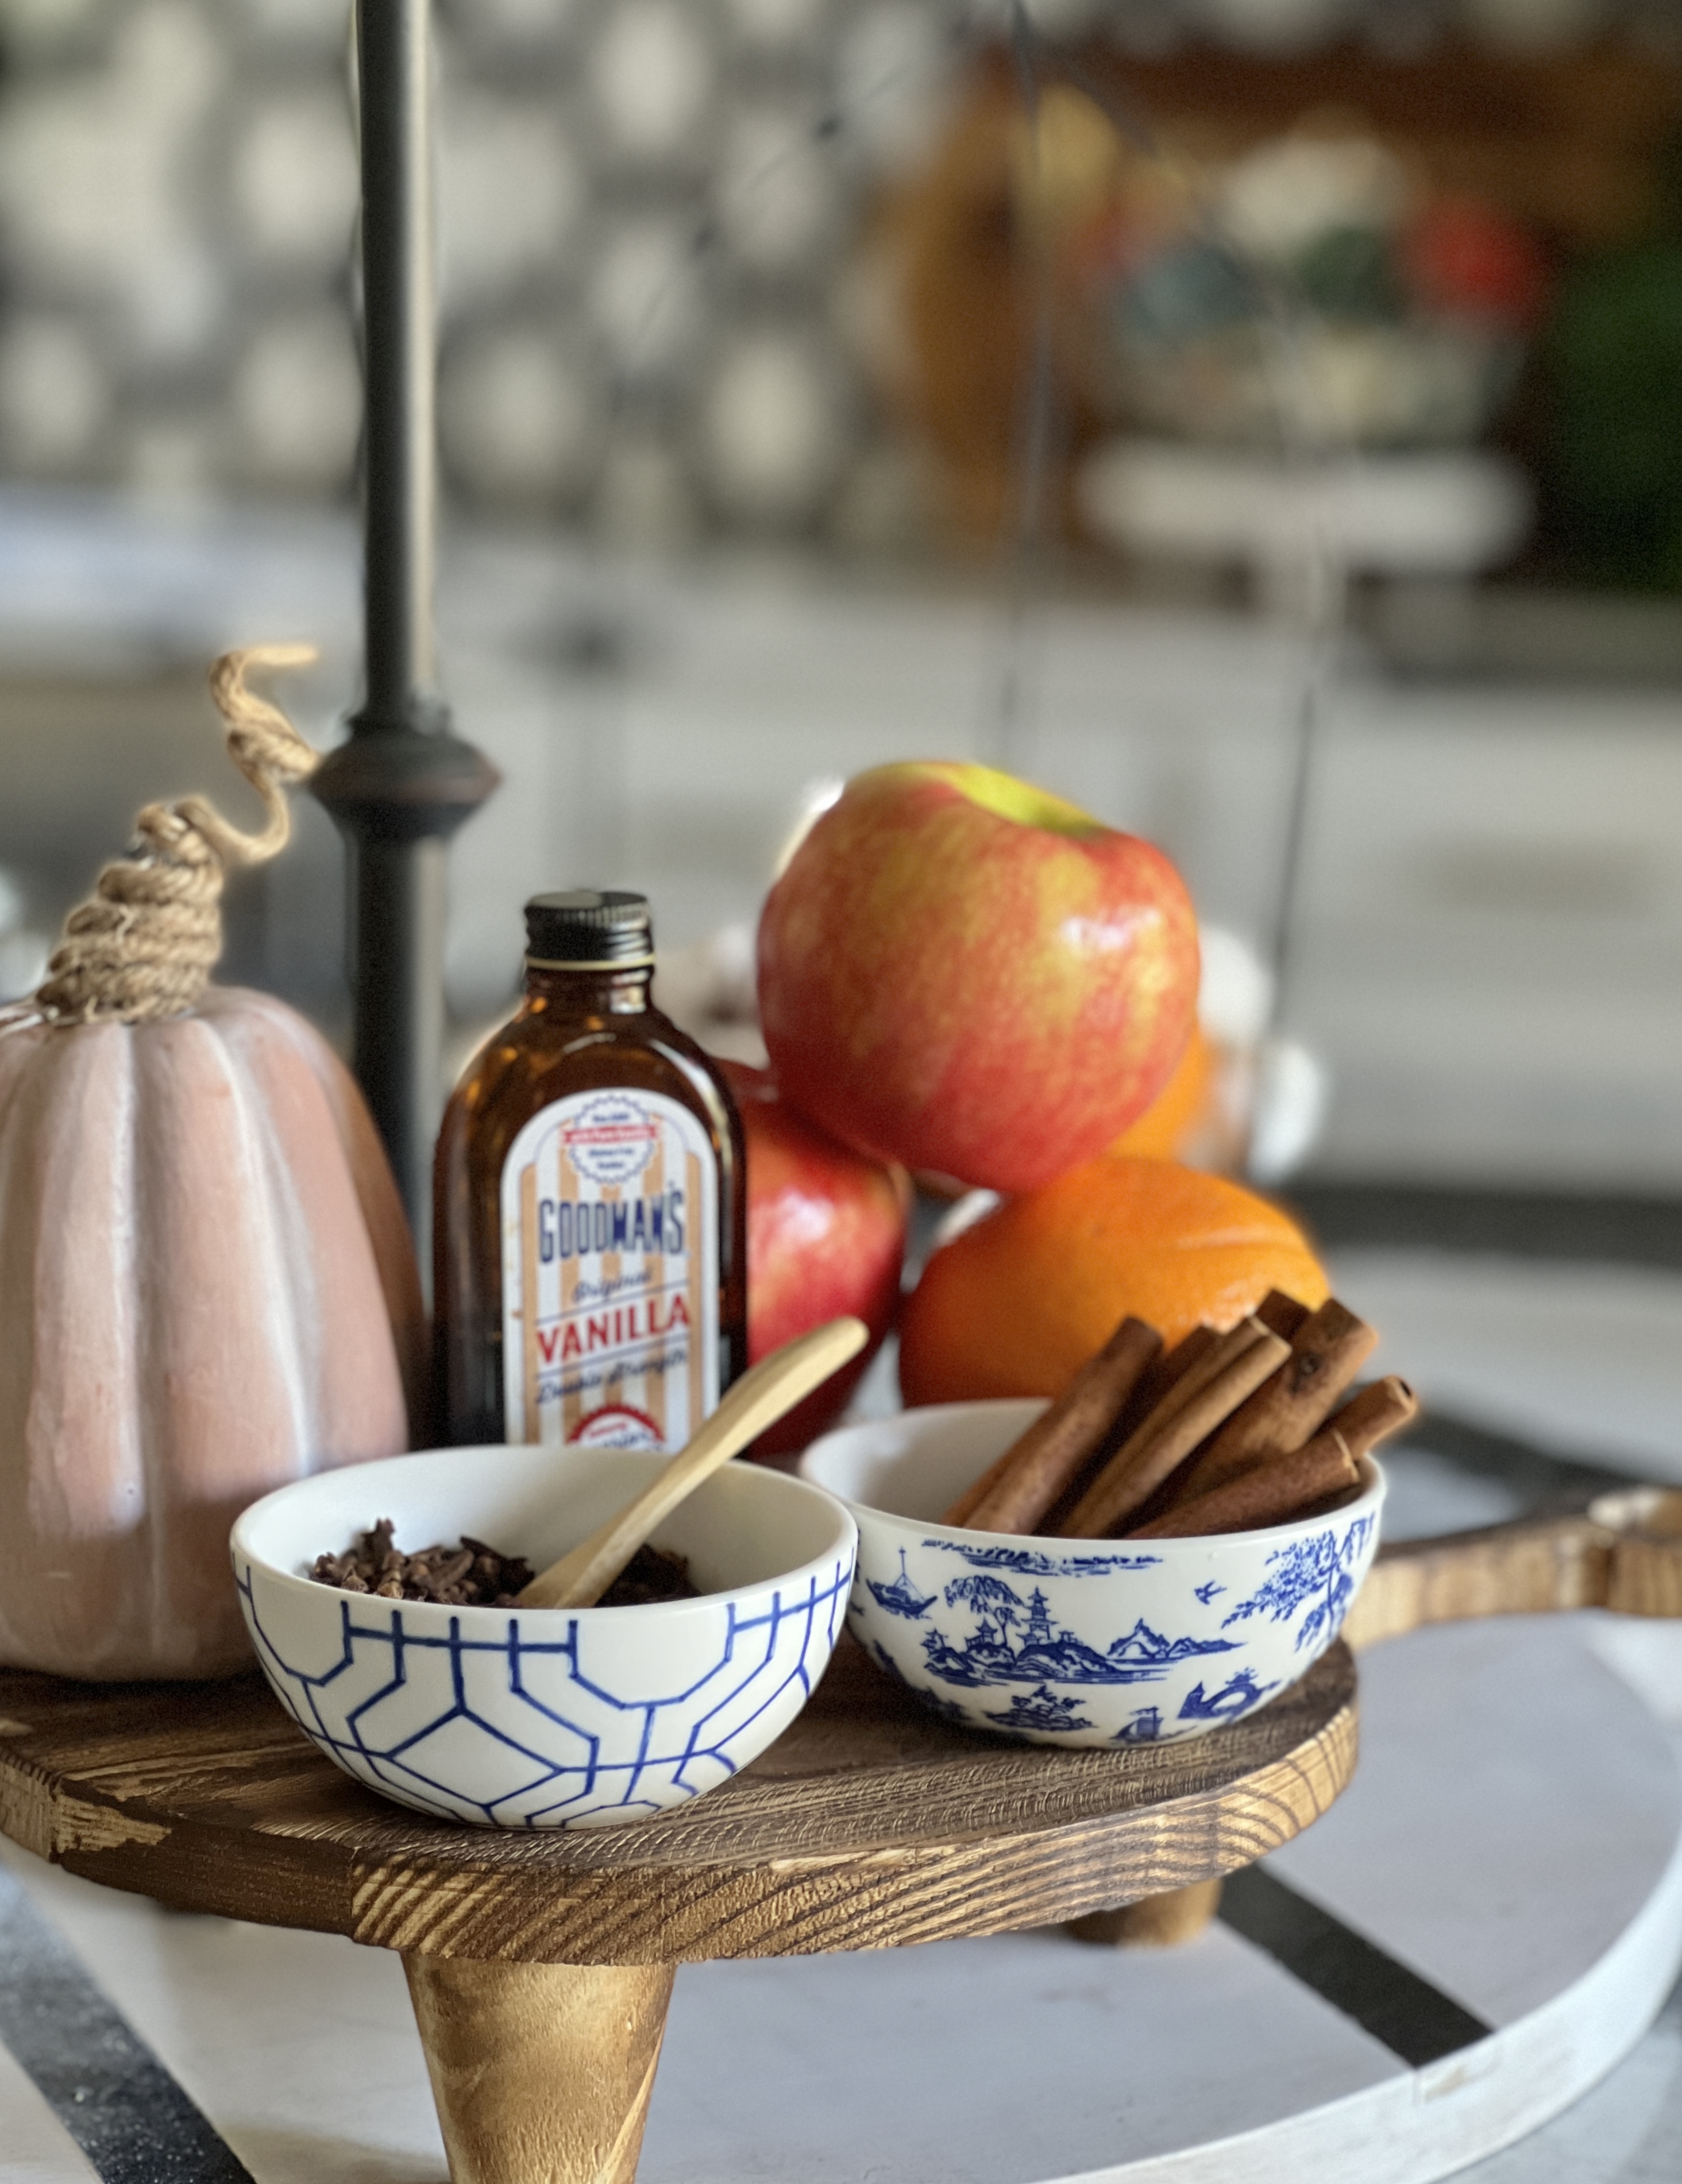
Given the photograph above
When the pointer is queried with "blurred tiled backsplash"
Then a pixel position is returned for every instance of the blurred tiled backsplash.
(644, 209)
(654, 308)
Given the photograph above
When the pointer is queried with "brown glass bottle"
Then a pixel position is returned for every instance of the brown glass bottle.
(589, 1217)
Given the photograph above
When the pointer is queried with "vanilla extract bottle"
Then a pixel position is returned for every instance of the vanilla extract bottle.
(589, 1217)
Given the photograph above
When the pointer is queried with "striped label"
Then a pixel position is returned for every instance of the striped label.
(610, 1255)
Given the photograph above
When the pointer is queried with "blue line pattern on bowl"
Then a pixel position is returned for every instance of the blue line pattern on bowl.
(1030, 1562)
(1013, 1646)
(1305, 1570)
(1047, 1652)
(411, 1714)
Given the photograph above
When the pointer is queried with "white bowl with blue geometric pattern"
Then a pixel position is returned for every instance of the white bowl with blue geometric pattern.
(545, 1718)
(1076, 1642)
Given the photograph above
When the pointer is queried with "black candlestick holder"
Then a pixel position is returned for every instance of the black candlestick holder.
(403, 781)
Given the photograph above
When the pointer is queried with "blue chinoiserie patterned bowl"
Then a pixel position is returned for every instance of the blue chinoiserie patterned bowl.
(1074, 1642)
(542, 1718)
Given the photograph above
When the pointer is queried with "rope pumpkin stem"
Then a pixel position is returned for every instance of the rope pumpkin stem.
(145, 942)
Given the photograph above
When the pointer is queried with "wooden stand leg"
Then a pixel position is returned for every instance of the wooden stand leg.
(541, 2072)
(1154, 1922)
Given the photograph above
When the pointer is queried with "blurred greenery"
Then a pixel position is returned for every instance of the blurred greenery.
(1612, 363)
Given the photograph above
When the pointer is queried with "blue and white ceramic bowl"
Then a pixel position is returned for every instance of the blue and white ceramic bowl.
(1076, 1642)
(545, 1718)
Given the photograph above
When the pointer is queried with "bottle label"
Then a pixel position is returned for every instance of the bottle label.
(610, 1280)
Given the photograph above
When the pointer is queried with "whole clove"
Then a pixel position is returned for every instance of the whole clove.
(651, 1575)
(474, 1575)
(469, 1575)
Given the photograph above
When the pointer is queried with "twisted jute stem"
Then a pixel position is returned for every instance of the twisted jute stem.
(145, 942)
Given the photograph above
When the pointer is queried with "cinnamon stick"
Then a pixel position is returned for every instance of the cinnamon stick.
(973, 1494)
(1205, 1395)
(1380, 1408)
(1170, 1366)
(970, 1498)
(1034, 1470)
(1198, 1359)
(1271, 1492)
(1280, 1314)
(1274, 1488)
(1168, 1370)
(1327, 1349)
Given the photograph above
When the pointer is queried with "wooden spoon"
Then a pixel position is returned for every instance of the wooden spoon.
(775, 1385)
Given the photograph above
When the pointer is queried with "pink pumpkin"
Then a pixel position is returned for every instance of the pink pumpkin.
(203, 1260)
(207, 1289)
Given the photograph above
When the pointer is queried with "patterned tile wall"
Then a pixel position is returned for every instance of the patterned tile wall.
(645, 212)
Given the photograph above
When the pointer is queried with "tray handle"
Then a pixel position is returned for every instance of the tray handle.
(1623, 1553)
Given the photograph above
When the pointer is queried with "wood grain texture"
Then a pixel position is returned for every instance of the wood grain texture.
(1154, 1922)
(541, 2073)
(1646, 1526)
(869, 1825)
(1624, 1553)
(1530, 1568)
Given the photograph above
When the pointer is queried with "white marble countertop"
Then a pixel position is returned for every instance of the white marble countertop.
(300, 2049)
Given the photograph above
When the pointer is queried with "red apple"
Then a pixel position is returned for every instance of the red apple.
(963, 973)
(825, 1236)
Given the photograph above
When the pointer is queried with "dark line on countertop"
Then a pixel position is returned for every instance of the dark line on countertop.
(1414, 2019)
(1605, 1227)
(133, 2121)
(1545, 1483)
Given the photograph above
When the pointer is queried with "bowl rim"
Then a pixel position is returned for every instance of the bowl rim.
(1373, 1487)
(844, 1545)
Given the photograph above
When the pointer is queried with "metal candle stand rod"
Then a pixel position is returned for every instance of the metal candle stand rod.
(403, 781)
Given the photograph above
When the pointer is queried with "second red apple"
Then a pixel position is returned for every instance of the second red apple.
(825, 1236)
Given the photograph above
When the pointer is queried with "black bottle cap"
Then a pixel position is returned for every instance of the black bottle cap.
(589, 929)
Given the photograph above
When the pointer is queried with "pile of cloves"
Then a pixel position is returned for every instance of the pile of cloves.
(469, 1576)
(475, 1575)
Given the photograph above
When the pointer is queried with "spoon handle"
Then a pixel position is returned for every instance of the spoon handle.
(775, 1385)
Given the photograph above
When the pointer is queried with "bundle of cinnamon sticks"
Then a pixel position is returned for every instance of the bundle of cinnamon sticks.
(1224, 1432)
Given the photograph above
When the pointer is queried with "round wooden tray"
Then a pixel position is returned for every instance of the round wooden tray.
(868, 1823)
(541, 1963)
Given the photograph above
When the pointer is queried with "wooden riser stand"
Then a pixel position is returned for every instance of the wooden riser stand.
(540, 2071)
(540, 1967)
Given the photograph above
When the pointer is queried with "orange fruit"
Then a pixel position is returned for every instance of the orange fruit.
(1162, 1132)
(1013, 1306)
